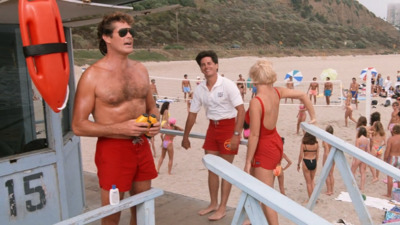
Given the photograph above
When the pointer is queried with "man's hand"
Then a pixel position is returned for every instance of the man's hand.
(155, 129)
(185, 143)
(235, 140)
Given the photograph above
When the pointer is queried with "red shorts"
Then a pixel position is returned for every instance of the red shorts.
(218, 136)
(121, 162)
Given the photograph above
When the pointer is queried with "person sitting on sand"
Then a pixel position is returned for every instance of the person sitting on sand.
(392, 156)
(349, 110)
(330, 180)
(363, 144)
(308, 158)
(168, 145)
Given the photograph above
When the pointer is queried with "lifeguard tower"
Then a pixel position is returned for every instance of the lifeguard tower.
(41, 179)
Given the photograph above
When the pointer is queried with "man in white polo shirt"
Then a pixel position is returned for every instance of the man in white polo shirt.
(224, 108)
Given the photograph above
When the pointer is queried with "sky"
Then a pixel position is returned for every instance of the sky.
(378, 7)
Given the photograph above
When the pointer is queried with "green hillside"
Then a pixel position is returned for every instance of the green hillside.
(284, 26)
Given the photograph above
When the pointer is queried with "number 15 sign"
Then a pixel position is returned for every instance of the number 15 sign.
(30, 197)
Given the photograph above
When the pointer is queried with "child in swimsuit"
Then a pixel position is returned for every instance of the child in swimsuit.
(301, 117)
(309, 150)
(348, 114)
(378, 141)
(167, 145)
(281, 176)
(327, 148)
(363, 144)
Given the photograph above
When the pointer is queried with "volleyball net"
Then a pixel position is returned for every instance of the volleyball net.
(170, 89)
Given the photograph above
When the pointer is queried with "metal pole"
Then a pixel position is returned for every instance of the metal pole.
(368, 97)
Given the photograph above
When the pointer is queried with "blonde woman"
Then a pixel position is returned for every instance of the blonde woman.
(265, 146)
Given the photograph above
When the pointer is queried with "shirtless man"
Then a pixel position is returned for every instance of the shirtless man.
(241, 83)
(395, 118)
(290, 85)
(328, 89)
(392, 156)
(116, 91)
(186, 86)
(313, 90)
(153, 88)
(354, 90)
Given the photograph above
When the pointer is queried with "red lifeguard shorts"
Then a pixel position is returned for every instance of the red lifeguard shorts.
(121, 162)
(218, 136)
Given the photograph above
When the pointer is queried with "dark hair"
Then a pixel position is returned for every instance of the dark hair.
(309, 139)
(164, 106)
(362, 121)
(203, 54)
(362, 131)
(106, 27)
(376, 116)
(329, 129)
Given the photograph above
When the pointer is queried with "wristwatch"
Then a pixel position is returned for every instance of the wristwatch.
(236, 133)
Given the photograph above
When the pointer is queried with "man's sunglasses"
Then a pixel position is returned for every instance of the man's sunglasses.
(124, 31)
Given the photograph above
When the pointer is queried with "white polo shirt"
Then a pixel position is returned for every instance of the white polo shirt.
(220, 102)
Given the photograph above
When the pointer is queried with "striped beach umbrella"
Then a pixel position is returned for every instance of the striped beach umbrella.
(296, 75)
(372, 70)
(331, 73)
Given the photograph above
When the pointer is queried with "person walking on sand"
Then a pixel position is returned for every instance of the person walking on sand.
(153, 88)
(116, 91)
(348, 110)
(308, 158)
(330, 180)
(186, 87)
(301, 117)
(290, 85)
(363, 143)
(265, 146)
(354, 90)
(395, 117)
(224, 108)
(392, 156)
(328, 89)
(313, 90)
(168, 145)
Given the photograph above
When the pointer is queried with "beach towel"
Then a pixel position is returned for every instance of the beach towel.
(379, 203)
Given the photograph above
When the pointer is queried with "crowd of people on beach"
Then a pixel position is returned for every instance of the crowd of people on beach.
(117, 91)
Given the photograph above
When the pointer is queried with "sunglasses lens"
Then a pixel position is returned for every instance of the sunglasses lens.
(122, 32)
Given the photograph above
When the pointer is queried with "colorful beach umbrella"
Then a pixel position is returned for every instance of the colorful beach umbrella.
(331, 73)
(364, 72)
(296, 75)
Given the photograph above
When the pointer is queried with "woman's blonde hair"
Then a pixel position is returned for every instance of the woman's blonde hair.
(262, 73)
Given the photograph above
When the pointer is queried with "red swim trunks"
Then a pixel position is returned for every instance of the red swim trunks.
(218, 135)
(121, 162)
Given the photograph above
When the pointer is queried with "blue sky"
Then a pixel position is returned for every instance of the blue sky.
(378, 7)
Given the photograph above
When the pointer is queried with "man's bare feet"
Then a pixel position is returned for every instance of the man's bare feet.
(388, 196)
(246, 222)
(219, 214)
(207, 210)
(328, 193)
(375, 180)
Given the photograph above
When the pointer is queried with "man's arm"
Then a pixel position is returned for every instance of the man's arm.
(235, 140)
(191, 119)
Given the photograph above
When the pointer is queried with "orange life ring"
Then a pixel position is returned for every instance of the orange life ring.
(45, 50)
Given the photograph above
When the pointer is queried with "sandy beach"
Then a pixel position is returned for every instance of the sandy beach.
(190, 175)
